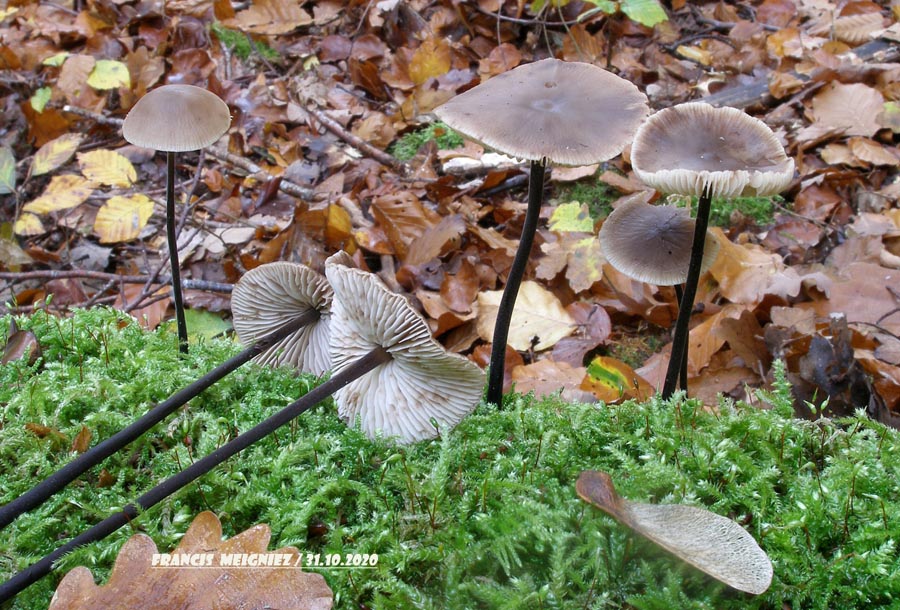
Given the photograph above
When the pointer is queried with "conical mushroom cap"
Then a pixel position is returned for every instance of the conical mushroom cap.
(271, 295)
(176, 118)
(421, 382)
(571, 113)
(652, 243)
(691, 147)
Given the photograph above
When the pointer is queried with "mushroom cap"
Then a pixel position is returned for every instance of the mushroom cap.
(421, 382)
(691, 147)
(176, 118)
(273, 294)
(652, 243)
(572, 113)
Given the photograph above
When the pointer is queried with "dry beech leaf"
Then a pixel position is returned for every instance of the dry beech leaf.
(137, 585)
(28, 224)
(20, 345)
(55, 153)
(872, 152)
(122, 218)
(431, 59)
(82, 440)
(271, 17)
(107, 167)
(538, 321)
(709, 542)
(62, 193)
(548, 377)
(848, 109)
(747, 273)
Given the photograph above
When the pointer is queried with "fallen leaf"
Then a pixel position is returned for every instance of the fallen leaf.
(82, 440)
(107, 167)
(122, 218)
(538, 321)
(748, 273)
(848, 109)
(430, 60)
(109, 74)
(20, 345)
(709, 542)
(594, 327)
(271, 17)
(28, 224)
(572, 216)
(872, 152)
(137, 583)
(860, 292)
(7, 170)
(547, 377)
(55, 153)
(63, 192)
(611, 381)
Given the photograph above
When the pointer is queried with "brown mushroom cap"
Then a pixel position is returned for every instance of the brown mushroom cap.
(691, 147)
(273, 294)
(652, 243)
(571, 113)
(176, 118)
(421, 382)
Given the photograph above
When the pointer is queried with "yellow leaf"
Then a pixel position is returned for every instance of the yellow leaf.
(62, 193)
(612, 380)
(55, 153)
(56, 60)
(122, 218)
(107, 167)
(539, 319)
(109, 74)
(431, 59)
(28, 225)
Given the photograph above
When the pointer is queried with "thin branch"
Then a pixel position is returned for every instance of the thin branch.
(286, 186)
(356, 142)
(61, 274)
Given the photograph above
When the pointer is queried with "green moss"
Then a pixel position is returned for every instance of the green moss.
(485, 517)
(408, 145)
(242, 45)
(597, 195)
(760, 210)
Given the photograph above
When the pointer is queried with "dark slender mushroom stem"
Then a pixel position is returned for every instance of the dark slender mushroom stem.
(41, 568)
(686, 305)
(679, 296)
(172, 238)
(511, 291)
(39, 494)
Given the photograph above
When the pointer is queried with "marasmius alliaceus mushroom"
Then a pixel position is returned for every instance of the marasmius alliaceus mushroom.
(176, 118)
(549, 111)
(698, 150)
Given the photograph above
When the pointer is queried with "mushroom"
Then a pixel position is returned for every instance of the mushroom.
(420, 388)
(568, 113)
(176, 118)
(274, 294)
(699, 150)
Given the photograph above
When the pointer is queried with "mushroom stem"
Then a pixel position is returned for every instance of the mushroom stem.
(513, 281)
(39, 494)
(44, 566)
(679, 295)
(686, 305)
(172, 239)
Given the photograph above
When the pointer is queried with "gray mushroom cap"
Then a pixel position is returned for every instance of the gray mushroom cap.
(177, 118)
(273, 294)
(691, 147)
(571, 113)
(421, 382)
(652, 243)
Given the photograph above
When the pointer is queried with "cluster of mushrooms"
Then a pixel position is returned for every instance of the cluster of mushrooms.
(572, 113)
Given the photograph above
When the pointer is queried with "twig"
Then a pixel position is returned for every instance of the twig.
(94, 116)
(61, 274)
(286, 186)
(355, 141)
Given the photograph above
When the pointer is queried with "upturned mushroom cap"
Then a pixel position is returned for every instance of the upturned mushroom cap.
(691, 147)
(421, 382)
(271, 295)
(571, 113)
(176, 118)
(652, 243)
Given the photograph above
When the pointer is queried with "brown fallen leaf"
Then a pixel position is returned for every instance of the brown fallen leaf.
(709, 542)
(82, 440)
(20, 345)
(538, 320)
(748, 273)
(546, 377)
(137, 584)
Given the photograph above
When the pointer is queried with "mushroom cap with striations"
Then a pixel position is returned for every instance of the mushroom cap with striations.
(652, 243)
(421, 382)
(571, 113)
(691, 147)
(273, 294)
(177, 118)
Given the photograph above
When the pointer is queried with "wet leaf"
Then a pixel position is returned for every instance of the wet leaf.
(539, 320)
(122, 218)
(62, 193)
(709, 542)
(137, 584)
(107, 167)
(82, 440)
(55, 153)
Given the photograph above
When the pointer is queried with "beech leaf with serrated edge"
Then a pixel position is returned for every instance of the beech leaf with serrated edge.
(55, 153)
(122, 218)
(107, 167)
(62, 193)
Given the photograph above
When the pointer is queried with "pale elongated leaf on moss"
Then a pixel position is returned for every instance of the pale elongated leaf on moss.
(645, 12)
(571, 217)
(7, 170)
(55, 153)
(539, 320)
(709, 542)
(109, 74)
(122, 218)
(62, 193)
(136, 584)
(107, 167)
(28, 224)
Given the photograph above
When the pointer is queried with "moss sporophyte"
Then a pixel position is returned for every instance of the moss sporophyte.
(484, 516)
